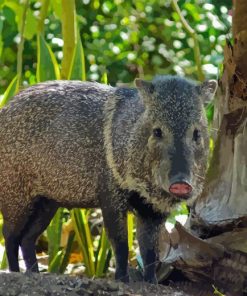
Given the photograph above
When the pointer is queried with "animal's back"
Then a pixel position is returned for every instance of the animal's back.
(52, 143)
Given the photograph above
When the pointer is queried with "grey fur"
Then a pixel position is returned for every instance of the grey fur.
(84, 144)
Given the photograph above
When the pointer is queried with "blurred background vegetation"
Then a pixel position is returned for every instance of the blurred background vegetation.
(111, 41)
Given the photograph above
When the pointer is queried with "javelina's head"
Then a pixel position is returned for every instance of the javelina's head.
(170, 143)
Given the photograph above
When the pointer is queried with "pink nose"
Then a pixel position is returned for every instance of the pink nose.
(180, 189)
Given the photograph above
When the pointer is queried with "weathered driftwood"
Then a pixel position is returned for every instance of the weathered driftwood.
(218, 260)
(219, 216)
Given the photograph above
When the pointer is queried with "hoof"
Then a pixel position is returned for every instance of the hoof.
(151, 280)
(124, 278)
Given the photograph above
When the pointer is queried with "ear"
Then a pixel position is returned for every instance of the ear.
(144, 85)
(207, 90)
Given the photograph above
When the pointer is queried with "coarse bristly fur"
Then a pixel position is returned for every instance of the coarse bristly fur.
(82, 144)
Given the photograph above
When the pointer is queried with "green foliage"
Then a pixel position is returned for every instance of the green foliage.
(4, 261)
(130, 222)
(60, 261)
(47, 67)
(54, 231)
(77, 69)
(10, 91)
(1, 27)
(102, 255)
(68, 250)
(217, 292)
(210, 112)
(180, 210)
(123, 38)
(95, 251)
(84, 238)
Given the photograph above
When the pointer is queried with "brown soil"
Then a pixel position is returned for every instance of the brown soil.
(12, 284)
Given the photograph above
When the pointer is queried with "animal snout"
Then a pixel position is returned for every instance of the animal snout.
(180, 187)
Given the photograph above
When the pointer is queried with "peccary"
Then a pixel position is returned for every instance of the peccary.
(82, 144)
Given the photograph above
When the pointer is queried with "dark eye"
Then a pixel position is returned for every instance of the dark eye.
(157, 132)
(196, 135)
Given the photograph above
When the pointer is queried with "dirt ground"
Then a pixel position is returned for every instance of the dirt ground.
(12, 284)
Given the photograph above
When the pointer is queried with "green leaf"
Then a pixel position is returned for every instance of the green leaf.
(104, 78)
(65, 259)
(77, 70)
(4, 261)
(217, 292)
(54, 231)
(1, 27)
(47, 66)
(1, 23)
(31, 25)
(210, 112)
(84, 239)
(101, 260)
(17, 8)
(57, 7)
(55, 264)
(130, 220)
(2, 2)
(10, 91)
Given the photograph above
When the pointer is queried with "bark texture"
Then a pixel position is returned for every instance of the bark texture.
(213, 246)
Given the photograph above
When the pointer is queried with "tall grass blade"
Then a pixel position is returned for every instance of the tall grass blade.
(77, 70)
(130, 220)
(1, 28)
(104, 78)
(47, 66)
(10, 91)
(54, 232)
(210, 112)
(68, 250)
(69, 24)
(4, 261)
(102, 253)
(84, 239)
(55, 264)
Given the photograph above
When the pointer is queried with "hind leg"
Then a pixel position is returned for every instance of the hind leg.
(42, 213)
(12, 241)
(14, 217)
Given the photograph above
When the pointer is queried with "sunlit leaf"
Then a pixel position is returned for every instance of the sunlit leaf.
(31, 25)
(54, 232)
(67, 252)
(130, 230)
(56, 262)
(17, 8)
(210, 112)
(104, 78)
(10, 91)
(1, 27)
(2, 2)
(84, 238)
(47, 66)
(77, 70)
(4, 261)
(104, 247)
(57, 7)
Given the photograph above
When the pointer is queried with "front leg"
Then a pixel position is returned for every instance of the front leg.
(147, 235)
